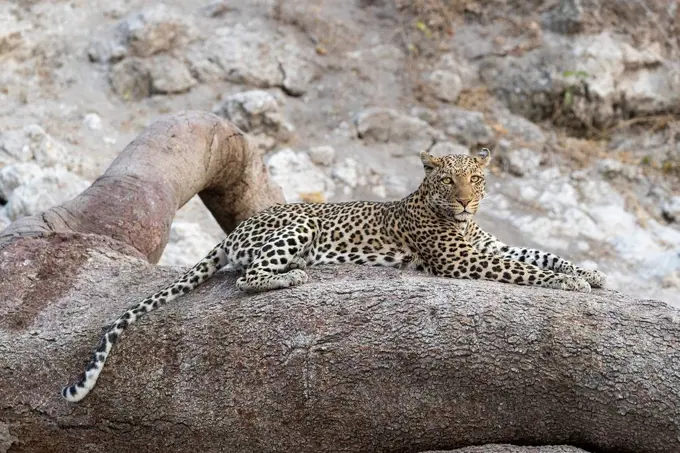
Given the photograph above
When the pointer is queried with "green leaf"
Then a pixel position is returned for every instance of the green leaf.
(420, 25)
(579, 74)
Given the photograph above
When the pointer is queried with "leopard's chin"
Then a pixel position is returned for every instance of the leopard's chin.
(463, 216)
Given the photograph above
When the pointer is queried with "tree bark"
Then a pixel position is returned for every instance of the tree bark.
(504, 448)
(358, 360)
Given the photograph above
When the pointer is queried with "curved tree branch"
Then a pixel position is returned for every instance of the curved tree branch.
(176, 157)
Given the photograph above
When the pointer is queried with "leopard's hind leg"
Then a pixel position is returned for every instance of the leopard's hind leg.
(281, 261)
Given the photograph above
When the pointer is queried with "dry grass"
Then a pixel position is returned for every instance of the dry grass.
(651, 123)
(326, 32)
(313, 197)
(434, 17)
(478, 98)
(580, 151)
(425, 26)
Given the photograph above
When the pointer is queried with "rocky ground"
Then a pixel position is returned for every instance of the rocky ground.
(578, 101)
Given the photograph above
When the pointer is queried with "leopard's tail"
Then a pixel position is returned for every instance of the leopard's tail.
(206, 268)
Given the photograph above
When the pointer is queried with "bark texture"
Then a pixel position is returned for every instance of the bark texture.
(358, 360)
(503, 448)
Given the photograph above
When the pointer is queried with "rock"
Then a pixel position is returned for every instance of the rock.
(648, 57)
(54, 187)
(504, 145)
(445, 81)
(348, 171)
(518, 82)
(396, 186)
(169, 75)
(467, 127)
(670, 209)
(650, 91)
(13, 30)
(378, 71)
(10, 40)
(252, 54)
(154, 29)
(4, 219)
(15, 175)
(472, 44)
(32, 143)
(202, 64)
(258, 113)
(130, 79)
(520, 129)
(671, 280)
(106, 51)
(187, 244)
(48, 152)
(521, 162)
(14, 147)
(379, 191)
(322, 155)
(387, 125)
(610, 169)
(428, 115)
(297, 175)
(584, 80)
(566, 18)
(297, 74)
(386, 57)
(445, 148)
(92, 121)
(216, 8)
(444, 85)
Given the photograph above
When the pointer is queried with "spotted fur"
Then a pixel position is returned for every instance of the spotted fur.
(430, 230)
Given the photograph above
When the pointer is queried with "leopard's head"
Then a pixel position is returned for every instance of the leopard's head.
(454, 185)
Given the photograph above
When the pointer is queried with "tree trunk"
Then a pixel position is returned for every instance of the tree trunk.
(358, 360)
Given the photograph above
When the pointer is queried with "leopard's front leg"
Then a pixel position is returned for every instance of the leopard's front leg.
(487, 243)
(550, 261)
(467, 263)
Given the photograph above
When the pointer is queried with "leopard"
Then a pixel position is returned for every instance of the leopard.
(431, 230)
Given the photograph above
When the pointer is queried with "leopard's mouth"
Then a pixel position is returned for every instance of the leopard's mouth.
(463, 211)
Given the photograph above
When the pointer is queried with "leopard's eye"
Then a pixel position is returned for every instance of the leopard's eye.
(475, 178)
(447, 181)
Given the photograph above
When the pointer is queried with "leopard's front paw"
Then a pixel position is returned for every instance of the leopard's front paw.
(297, 262)
(295, 277)
(569, 283)
(595, 278)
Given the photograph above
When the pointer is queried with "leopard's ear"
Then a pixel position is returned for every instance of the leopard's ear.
(429, 161)
(483, 157)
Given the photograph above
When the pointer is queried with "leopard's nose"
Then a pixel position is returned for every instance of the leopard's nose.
(463, 201)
